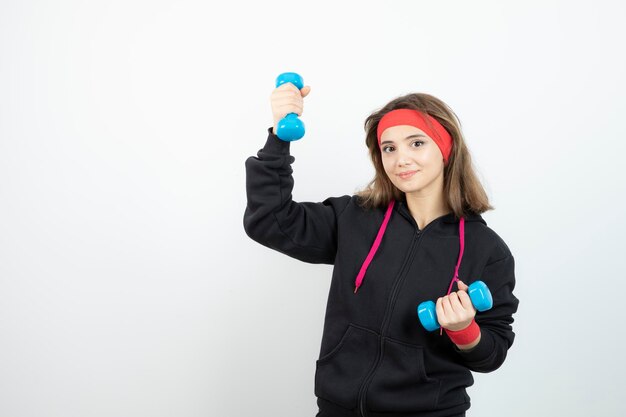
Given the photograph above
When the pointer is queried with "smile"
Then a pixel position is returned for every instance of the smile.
(407, 175)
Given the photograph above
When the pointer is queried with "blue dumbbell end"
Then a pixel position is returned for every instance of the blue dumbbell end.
(480, 296)
(290, 77)
(290, 128)
(428, 315)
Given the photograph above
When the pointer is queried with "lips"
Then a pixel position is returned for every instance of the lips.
(406, 175)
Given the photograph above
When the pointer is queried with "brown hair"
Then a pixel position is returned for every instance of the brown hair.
(462, 189)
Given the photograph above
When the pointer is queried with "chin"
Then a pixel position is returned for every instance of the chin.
(412, 190)
(415, 189)
(408, 190)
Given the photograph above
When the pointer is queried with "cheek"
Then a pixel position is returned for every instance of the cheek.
(388, 165)
(432, 159)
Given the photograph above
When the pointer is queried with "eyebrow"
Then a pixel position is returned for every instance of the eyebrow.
(417, 135)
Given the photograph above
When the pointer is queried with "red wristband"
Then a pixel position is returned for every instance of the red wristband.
(465, 336)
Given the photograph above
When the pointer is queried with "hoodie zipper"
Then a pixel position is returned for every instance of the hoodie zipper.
(387, 318)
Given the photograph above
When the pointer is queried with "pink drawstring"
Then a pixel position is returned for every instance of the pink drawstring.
(458, 262)
(374, 248)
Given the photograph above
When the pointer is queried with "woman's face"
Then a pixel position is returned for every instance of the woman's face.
(412, 160)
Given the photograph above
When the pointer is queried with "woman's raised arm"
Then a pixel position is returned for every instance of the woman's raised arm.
(306, 231)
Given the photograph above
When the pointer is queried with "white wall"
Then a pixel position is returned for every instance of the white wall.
(128, 286)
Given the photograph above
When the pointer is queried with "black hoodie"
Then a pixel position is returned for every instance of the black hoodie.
(376, 359)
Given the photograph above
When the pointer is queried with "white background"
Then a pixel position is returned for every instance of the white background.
(128, 286)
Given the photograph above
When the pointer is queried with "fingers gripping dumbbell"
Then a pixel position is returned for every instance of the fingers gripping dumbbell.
(478, 293)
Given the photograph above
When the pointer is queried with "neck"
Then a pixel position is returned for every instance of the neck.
(426, 208)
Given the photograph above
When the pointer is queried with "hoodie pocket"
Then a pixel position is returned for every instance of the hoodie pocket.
(400, 383)
(340, 372)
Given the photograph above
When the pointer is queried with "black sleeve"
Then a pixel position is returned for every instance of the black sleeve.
(495, 324)
(306, 231)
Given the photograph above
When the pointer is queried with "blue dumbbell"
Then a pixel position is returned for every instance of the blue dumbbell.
(290, 127)
(479, 294)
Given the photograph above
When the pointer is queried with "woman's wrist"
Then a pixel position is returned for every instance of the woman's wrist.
(466, 338)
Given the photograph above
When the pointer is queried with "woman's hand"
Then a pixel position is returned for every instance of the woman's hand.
(455, 311)
(287, 99)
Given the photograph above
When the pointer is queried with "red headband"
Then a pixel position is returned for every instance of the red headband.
(411, 117)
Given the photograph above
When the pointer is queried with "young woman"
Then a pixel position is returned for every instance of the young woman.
(414, 232)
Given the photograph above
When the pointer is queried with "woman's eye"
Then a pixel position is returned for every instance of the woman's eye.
(418, 141)
(387, 148)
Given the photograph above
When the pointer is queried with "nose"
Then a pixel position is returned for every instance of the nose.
(403, 159)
